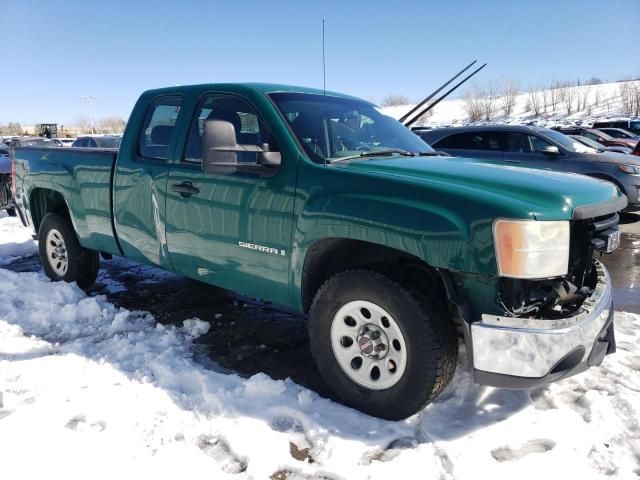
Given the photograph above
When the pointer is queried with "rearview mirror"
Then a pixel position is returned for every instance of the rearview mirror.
(550, 150)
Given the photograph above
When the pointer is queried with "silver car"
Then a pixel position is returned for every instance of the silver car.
(537, 147)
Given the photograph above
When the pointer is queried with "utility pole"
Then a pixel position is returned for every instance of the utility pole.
(89, 100)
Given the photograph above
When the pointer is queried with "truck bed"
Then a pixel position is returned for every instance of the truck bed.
(84, 178)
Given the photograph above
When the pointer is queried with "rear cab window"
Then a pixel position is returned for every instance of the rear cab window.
(158, 131)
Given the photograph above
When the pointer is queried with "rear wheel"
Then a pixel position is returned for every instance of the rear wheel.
(383, 349)
(12, 212)
(61, 254)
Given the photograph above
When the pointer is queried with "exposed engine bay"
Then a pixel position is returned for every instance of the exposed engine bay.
(563, 297)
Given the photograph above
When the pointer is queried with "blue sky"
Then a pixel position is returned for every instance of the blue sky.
(55, 52)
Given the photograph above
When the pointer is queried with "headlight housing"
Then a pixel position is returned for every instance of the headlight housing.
(632, 169)
(531, 248)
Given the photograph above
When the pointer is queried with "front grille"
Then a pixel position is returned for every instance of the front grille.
(583, 246)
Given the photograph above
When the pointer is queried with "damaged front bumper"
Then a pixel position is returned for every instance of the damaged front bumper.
(511, 352)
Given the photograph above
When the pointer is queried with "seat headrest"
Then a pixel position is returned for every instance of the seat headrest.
(161, 134)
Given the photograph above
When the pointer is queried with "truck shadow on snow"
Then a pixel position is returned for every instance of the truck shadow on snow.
(248, 337)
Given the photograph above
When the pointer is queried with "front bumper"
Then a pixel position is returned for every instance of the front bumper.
(524, 353)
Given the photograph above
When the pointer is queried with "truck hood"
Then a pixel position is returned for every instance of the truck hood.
(545, 194)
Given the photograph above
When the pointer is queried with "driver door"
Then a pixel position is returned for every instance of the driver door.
(232, 228)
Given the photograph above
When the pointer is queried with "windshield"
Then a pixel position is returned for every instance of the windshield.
(587, 141)
(568, 142)
(330, 128)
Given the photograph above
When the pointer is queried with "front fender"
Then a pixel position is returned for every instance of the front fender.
(439, 236)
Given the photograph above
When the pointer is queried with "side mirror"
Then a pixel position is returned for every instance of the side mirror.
(219, 147)
(268, 158)
(220, 150)
(550, 150)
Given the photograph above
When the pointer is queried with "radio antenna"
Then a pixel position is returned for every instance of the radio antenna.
(324, 70)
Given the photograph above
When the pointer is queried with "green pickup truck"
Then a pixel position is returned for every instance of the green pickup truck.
(319, 202)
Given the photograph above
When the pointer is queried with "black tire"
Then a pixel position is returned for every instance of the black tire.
(82, 264)
(12, 212)
(431, 343)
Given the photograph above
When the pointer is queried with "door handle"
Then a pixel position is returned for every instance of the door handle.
(185, 189)
(509, 160)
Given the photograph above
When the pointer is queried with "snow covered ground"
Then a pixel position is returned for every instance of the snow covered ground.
(600, 102)
(89, 390)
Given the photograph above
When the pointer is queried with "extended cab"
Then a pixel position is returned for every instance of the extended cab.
(321, 203)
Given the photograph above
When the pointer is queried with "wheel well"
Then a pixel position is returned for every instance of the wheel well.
(43, 201)
(327, 257)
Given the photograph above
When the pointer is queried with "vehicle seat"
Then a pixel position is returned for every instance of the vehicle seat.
(309, 130)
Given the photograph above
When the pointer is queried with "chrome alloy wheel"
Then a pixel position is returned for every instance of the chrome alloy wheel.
(368, 345)
(57, 252)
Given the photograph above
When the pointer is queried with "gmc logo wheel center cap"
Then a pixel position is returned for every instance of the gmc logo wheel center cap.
(373, 342)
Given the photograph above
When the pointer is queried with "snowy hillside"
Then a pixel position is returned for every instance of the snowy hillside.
(586, 102)
(92, 391)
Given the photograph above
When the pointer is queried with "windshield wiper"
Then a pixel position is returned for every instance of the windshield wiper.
(429, 154)
(376, 153)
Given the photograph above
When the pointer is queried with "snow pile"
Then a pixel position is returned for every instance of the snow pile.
(89, 390)
(600, 102)
(15, 240)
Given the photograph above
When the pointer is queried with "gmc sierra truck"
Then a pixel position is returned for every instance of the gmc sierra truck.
(319, 202)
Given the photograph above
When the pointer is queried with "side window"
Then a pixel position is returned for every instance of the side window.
(460, 140)
(158, 129)
(537, 144)
(492, 141)
(92, 143)
(591, 136)
(251, 134)
(518, 142)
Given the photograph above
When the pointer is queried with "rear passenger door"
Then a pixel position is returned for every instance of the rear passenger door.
(232, 227)
(141, 180)
(473, 144)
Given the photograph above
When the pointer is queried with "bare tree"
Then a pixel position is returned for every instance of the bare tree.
(535, 101)
(569, 94)
(596, 97)
(554, 94)
(11, 128)
(83, 124)
(508, 96)
(111, 125)
(488, 100)
(393, 100)
(630, 97)
(583, 96)
(473, 106)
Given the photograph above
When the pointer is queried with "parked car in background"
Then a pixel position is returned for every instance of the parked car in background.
(629, 125)
(539, 148)
(599, 137)
(31, 142)
(598, 146)
(6, 196)
(63, 142)
(95, 141)
(619, 133)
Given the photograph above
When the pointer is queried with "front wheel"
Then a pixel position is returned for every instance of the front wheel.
(62, 256)
(382, 348)
(12, 212)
